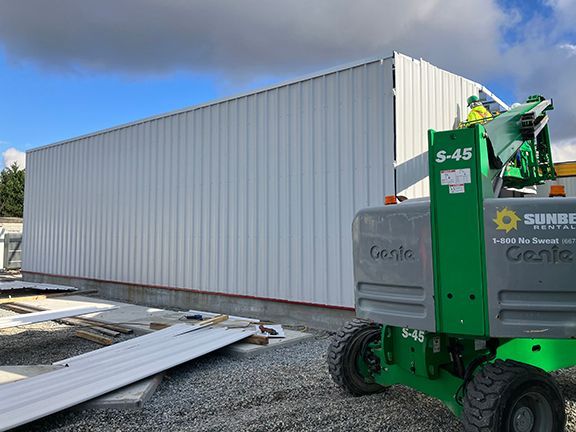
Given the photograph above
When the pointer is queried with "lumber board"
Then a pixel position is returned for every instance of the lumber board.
(80, 323)
(17, 308)
(158, 325)
(102, 340)
(99, 323)
(256, 340)
(215, 320)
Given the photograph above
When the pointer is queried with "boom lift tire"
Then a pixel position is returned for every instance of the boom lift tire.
(350, 359)
(508, 396)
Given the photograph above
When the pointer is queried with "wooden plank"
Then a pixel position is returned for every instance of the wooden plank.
(17, 308)
(110, 326)
(256, 340)
(79, 323)
(159, 326)
(102, 340)
(215, 320)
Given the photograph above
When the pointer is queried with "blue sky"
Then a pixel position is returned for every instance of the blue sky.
(47, 106)
(53, 87)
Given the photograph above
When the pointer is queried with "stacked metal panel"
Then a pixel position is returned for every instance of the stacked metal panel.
(50, 315)
(19, 285)
(99, 372)
(251, 196)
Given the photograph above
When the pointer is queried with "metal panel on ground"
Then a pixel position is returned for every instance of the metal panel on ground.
(426, 98)
(19, 285)
(84, 379)
(50, 315)
(250, 196)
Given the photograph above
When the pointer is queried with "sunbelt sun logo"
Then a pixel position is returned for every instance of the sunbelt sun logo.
(508, 220)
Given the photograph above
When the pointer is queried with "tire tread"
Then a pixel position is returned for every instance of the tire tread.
(485, 390)
(337, 355)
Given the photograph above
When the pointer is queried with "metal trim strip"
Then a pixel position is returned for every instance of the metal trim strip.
(50, 315)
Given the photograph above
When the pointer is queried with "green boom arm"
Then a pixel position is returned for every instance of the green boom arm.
(519, 146)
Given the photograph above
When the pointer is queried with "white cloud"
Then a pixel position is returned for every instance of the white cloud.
(564, 151)
(570, 48)
(12, 155)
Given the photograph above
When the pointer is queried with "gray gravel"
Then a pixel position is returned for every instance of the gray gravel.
(284, 390)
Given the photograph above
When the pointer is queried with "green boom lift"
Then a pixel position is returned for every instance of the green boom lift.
(469, 296)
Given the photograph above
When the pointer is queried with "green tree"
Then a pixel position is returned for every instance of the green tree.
(12, 191)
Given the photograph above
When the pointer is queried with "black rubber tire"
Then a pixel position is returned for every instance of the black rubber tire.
(346, 347)
(497, 394)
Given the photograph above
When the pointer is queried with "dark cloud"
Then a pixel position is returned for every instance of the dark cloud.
(240, 37)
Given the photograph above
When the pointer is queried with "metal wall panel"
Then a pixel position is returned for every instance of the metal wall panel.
(426, 98)
(12, 256)
(568, 182)
(253, 196)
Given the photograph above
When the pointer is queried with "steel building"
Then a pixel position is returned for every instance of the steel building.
(244, 202)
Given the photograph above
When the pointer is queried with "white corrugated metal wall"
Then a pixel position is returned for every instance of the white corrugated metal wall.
(568, 182)
(426, 98)
(252, 196)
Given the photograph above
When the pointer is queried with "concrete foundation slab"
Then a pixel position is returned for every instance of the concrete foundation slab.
(243, 349)
(131, 397)
(316, 316)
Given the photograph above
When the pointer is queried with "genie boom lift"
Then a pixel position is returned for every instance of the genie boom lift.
(470, 296)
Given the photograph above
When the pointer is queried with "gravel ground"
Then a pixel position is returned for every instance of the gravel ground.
(284, 390)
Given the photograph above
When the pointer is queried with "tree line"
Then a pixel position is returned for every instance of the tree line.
(12, 191)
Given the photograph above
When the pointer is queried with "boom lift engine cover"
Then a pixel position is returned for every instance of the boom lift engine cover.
(468, 296)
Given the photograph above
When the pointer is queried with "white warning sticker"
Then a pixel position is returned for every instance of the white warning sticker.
(453, 189)
(455, 177)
